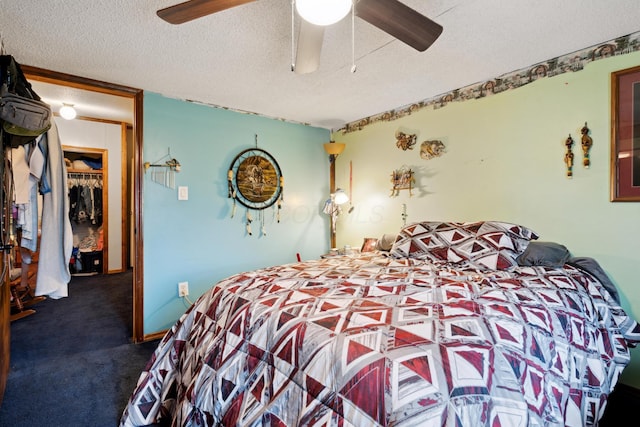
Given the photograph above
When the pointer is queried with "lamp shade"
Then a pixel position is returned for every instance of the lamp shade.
(334, 148)
(323, 12)
(340, 197)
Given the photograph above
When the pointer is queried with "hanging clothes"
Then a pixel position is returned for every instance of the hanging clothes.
(85, 198)
(56, 240)
(26, 167)
(97, 203)
(73, 200)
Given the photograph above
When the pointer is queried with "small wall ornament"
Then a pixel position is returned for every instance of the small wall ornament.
(405, 141)
(587, 142)
(402, 179)
(568, 157)
(431, 149)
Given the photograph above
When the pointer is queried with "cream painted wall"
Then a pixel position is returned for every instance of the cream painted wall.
(504, 161)
(83, 133)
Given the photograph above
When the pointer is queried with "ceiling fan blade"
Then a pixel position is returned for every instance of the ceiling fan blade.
(310, 39)
(400, 21)
(193, 9)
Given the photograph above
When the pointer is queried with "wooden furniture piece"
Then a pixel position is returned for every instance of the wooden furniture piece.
(5, 338)
(14, 302)
(22, 276)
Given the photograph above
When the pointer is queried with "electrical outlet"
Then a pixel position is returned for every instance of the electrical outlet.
(183, 289)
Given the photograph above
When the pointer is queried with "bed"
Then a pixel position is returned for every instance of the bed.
(458, 324)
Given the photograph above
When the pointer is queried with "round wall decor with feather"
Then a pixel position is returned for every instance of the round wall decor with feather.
(255, 179)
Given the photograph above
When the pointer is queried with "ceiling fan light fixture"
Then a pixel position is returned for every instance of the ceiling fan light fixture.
(323, 12)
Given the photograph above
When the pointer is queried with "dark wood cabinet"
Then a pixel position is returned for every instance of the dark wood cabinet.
(5, 337)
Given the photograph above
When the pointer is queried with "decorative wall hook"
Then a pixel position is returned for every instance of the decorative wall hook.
(568, 157)
(172, 163)
(587, 142)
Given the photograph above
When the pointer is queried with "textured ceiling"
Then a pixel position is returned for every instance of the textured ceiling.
(240, 58)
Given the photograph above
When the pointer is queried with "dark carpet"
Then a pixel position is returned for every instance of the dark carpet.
(73, 362)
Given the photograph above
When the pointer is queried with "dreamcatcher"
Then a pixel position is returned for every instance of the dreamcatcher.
(255, 181)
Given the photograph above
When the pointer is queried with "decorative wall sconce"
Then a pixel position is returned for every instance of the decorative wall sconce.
(568, 156)
(587, 142)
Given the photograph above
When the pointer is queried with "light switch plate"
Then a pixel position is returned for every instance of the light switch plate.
(183, 193)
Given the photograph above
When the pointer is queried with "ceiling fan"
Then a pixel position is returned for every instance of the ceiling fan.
(391, 16)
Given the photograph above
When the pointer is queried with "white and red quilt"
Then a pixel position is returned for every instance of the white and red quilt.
(370, 340)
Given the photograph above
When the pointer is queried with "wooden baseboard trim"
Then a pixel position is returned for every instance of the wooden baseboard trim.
(154, 336)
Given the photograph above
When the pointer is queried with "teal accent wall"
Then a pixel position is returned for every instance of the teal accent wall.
(505, 161)
(197, 240)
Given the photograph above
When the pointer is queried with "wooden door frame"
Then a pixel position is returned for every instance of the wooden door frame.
(137, 95)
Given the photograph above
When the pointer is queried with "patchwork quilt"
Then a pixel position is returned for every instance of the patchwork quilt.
(373, 340)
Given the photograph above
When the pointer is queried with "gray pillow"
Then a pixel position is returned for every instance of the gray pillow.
(592, 266)
(546, 254)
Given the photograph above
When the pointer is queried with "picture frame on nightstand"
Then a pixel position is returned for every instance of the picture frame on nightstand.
(369, 244)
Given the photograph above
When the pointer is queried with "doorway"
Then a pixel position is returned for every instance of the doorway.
(87, 178)
(132, 160)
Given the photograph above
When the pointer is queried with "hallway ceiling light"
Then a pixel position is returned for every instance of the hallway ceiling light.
(323, 12)
(67, 111)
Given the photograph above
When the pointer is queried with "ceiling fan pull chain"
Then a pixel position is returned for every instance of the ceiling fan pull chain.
(353, 37)
(293, 60)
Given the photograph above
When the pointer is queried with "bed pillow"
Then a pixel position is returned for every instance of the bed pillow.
(590, 265)
(547, 254)
(385, 243)
(484, 244)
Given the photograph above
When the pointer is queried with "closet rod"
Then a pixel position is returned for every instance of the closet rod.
(81, 172)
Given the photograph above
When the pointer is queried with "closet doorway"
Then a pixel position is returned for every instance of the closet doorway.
(87, 179)
(92, 90)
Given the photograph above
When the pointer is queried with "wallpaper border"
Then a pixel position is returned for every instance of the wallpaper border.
(570, 62)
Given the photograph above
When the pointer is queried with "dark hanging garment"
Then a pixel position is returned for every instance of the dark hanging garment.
(97, 206)
(73, 203)
(23, 115)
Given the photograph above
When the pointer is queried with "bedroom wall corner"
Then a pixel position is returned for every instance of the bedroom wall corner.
(197, 240)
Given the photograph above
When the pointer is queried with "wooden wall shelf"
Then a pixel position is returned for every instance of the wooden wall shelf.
(89, 171)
